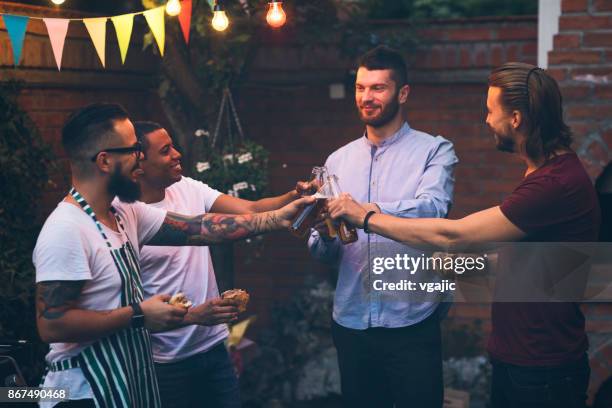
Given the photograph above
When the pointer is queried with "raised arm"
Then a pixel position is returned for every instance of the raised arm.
(206, 229)
(60, 320)
(486, 226)
(227, 204)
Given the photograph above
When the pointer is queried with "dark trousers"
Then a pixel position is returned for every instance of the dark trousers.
(84, 403)
(204, 380)
(540, 387)
(382, 367)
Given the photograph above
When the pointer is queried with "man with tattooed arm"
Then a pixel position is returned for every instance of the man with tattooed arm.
(190, 361)
(89, 301)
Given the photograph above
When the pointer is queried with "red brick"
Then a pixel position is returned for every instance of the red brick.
(497, 55)
(576, 92)
(465, 57)
(584, 22)
(471, 34)
(607, 137)
(599, 71)
(512, 53)
(563, 41)
(559, 74)
(597, 39)
(574, 57)
(602, 5)
(603, 91)
(595, 112)
(436, 58)
(598, 152)
(572, 6)
(481, 56)
(529, 50)
(517, 33)
(599, 326)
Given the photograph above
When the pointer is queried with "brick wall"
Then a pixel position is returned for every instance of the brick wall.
(582, 63)
(49, 96)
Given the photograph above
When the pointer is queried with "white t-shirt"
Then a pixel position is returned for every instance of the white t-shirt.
(189, 270)
(71, 248)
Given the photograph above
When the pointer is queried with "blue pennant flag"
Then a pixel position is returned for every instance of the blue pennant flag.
(16, 27)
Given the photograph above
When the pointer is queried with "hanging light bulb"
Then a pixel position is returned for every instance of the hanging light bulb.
(58, 2)
(173, 7)
(276, 16)
(219, 21)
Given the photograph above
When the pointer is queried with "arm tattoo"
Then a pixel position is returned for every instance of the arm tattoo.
(205, 229)
(54, 298)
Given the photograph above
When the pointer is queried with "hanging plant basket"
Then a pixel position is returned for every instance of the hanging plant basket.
(226, 160)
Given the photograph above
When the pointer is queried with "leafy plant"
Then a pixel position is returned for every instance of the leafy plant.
(241, 171)
(24, 163)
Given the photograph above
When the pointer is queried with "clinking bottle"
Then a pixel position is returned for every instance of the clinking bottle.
(346, 232)
(307, 218)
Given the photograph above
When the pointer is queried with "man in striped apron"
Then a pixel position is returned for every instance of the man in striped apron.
(89, 299)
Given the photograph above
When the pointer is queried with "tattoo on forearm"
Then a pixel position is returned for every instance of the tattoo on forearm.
(212, 228)
(54, 298)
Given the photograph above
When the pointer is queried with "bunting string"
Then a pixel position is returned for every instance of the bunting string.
(57, 28)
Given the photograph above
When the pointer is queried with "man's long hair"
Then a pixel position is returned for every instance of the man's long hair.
(534, 93)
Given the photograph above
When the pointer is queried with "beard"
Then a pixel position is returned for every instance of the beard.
(385, 116)
(504, 141)
(123, 187)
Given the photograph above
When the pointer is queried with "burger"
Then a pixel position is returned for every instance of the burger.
(240, 296)
(179, 299)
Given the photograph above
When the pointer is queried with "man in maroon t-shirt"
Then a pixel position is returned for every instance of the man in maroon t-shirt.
(538, 350)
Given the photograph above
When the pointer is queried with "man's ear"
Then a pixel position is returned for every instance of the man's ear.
(403, 93)
(104, 163)
(517, 119)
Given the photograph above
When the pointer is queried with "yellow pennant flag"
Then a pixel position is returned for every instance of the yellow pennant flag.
(123, 26)
(155, 19)
(96, 27)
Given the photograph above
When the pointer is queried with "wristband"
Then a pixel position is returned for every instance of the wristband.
(366, 220)
(138, 318)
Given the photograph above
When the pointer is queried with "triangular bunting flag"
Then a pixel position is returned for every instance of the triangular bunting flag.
(155, 19)
(57, 29)
(185, 18)
(16, 27)
(96, 27)
(123, 26)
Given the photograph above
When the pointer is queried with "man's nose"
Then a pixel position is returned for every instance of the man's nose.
(366, 95)
(177, 155)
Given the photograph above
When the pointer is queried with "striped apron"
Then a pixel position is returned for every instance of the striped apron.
(119, 368)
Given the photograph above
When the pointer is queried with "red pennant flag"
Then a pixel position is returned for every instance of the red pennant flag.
(185, 18)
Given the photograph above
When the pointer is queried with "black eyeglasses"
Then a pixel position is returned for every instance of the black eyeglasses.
(136, 148)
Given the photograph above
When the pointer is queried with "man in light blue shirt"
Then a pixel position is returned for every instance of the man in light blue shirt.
(388, 341)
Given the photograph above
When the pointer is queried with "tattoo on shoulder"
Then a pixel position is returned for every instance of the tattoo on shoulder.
(54, 298)
(205, 229)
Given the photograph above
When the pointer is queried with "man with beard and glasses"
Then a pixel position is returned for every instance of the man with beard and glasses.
(538, 349)
(190, 361)
(389, 349)
(89, 296)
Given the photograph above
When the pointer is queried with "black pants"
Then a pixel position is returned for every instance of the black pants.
(203, 380)
(540, 387)
(382, 367)
(84, 403)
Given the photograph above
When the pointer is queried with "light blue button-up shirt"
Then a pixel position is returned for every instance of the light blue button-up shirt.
(408, 175)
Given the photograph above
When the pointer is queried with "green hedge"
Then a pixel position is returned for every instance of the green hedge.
(24, 164)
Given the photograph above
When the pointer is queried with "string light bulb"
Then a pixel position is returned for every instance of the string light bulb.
(58, 2)
(220, 21)
(276, 16)
(173, 7)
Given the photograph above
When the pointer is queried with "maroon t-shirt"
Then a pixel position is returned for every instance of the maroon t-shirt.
(555, 203)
